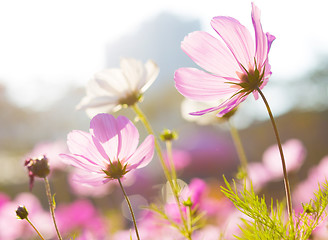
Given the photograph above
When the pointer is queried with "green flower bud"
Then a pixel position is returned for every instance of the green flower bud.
(168, 135)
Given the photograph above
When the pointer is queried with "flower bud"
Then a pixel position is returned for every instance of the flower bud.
(37, 167)
(168, 135)
(187, 203)
(22, 212)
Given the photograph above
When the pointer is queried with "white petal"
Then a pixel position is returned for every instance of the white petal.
(152, 71)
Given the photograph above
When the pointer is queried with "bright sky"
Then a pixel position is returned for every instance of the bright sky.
(41, 41)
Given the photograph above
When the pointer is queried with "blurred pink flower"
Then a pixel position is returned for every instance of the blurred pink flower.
(259, 175)
(151, 225)
(192, 193)
(234, 67)
(181, 159)
(317, 175)
(82, 216)
(13, 228)
(109, 151)
(51, 150)
(295, 153)
(109, 89)
(270, 168)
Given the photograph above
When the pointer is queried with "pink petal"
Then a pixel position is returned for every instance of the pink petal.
(201, 86)
(237, 37)
(143, 155)
(129, 137)
(80, 162)
(104, 128)
(230, 104)
(263, 41)
(91, 179)
(207, 110)
(210, 54)
(82, 144)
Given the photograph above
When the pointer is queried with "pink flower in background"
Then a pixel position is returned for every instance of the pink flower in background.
(51, 150)
(234, 67)
(295, 153)
(12, 228)
(317, 175)
(181, 159)
(109, 151)
(270, 168)
(80, 216)
(111, 88)
(191, 194)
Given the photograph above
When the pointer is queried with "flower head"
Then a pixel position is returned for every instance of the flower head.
(234, 67)
(109, 150)
(110, 89)
(37, 167)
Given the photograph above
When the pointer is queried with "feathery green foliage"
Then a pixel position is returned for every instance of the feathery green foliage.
(269, 222)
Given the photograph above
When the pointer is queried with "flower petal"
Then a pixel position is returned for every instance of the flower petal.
(91, 179)
(110, 80)
(93, 111)
(237, 37)
(81, 144)
(201, 86)
(133, 72)
(79, 162)
(129, 137)
(207, 110)
(99, 101)
(230, 104)
(210, 54)
(143, 155)
(104, 128)
(263, 41)
(152, 71)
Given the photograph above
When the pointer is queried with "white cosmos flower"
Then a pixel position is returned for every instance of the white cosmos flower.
(112, 88)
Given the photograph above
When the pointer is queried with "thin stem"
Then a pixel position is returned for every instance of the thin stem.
(28, 220)
(51, 206)
(189, 222)
(239, 147)
(171, 163)
(284, 168)
(130, 207)
(168, 176)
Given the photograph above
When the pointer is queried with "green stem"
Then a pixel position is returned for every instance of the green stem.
(130, 207)
(239, 147)
(51, 206)
(28, 220)
(171, 163)
(284, 168)
(189, 222)
(148, 127)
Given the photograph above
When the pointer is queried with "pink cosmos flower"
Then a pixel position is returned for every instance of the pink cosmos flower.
(109, 150)
(234, 66)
